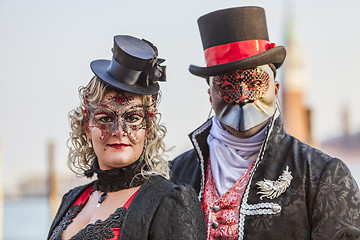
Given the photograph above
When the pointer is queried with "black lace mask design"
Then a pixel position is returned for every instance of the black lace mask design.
(118, 113)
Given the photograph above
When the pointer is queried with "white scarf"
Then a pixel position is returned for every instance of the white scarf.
(231, 156)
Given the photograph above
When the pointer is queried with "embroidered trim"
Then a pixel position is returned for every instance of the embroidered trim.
(246, 193)
(101, 230)
(197, 147)
(245, 209)
(98, 230)
(261, 209)
(65, 222)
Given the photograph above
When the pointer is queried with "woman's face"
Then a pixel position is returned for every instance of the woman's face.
(117, 129)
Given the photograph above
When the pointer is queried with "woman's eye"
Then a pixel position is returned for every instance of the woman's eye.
(255, 84)
(104, 118)
(133, 117)
(227, 86)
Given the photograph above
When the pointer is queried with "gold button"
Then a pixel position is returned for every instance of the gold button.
(215, 225)
(216, 208)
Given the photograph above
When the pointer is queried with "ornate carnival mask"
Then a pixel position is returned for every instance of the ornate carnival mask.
(245, 98)
(118, 113)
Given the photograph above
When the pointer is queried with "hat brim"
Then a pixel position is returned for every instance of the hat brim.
(274, 55)
(99, 68)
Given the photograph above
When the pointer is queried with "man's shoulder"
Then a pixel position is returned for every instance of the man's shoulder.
(185, 169)
(189, 155)
(188, 160)
(307, 151)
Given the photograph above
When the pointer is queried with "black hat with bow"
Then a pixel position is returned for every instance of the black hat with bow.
(236, 39)
(134, 66)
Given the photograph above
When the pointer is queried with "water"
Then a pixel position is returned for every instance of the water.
(26, 219)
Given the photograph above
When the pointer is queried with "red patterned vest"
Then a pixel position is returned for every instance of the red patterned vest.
(222, 213)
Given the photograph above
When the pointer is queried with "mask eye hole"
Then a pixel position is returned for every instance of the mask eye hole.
(226, 86)
(134, 117)
(104, 117)
(255, 84)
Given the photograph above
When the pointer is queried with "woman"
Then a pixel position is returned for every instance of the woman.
(116, 136)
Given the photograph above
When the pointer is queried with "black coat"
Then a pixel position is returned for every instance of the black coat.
(160, 210)
(322, 201)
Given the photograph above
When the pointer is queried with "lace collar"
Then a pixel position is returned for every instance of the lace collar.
(118, 178)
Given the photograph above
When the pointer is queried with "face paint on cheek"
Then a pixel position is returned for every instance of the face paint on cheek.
(102, 130)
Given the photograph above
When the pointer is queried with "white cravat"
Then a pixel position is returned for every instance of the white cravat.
(230, 156)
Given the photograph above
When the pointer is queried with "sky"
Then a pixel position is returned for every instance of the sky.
(46, 47)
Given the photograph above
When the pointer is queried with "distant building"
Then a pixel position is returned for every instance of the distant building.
(296, 114)
(346, 146)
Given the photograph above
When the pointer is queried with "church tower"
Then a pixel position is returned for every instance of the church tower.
(296, 115)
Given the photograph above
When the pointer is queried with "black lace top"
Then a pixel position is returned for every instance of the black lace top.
(159, 210)
(100, 230)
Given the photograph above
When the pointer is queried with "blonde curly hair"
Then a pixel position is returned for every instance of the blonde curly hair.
(81, 154)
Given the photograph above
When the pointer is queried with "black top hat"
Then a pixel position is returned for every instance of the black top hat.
(236, 39)
(134, 67)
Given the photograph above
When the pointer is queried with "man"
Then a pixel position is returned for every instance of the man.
(253, 179)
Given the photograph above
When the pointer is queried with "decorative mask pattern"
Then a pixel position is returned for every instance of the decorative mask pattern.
(242, 86)
(244, 99)
(116, 114)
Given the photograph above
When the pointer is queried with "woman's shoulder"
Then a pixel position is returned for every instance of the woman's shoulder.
(76, 191)
(160, 193)
(163, 205)
(180, 211)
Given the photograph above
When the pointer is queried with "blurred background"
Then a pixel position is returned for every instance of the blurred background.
(46, 47)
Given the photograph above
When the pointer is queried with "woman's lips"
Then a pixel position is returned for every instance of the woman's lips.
(118, 145)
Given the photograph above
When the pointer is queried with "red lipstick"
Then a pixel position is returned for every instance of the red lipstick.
(118, 145)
